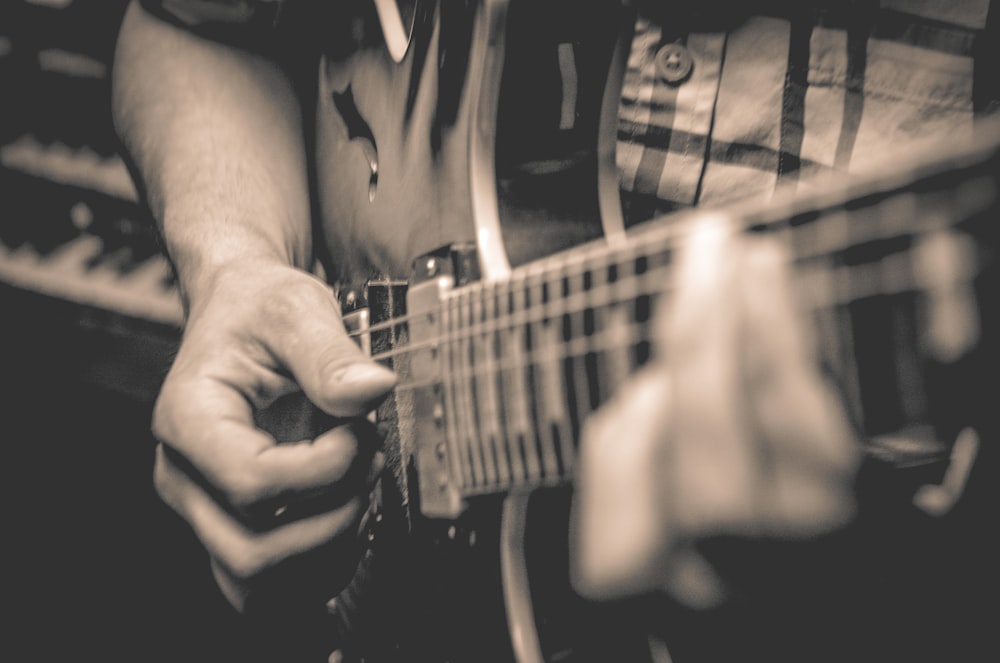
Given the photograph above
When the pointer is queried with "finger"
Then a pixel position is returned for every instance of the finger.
(235, 590)
(781, 359)
(619, 530)
(711, 485)
(243, 553)
(212, 428)
(331, 369)
(809, 445)
(332, 455)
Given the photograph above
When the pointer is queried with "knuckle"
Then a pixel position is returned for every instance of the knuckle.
(174, 404)
(293, 299)
(162, 422)
(245, 562)
(344, 452)
(334, 356)
(242, 489)
(161, 478)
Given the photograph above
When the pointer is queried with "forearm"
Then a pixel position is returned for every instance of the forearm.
(215, 136)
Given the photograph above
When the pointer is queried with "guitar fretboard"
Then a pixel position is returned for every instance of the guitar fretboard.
(893, 273)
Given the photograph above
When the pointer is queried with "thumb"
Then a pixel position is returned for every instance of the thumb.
(332, 370)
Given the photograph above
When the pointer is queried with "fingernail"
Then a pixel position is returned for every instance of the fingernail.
(364, 372)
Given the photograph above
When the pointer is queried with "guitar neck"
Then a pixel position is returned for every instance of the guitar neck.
(889, 272)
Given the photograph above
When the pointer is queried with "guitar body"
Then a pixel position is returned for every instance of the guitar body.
(486, 131)
(471, 221)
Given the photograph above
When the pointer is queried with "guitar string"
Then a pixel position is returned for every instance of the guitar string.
(620, 337)
(826, 288)
(520, 473)
(459, 381)
(475, 476)
(602, 259)
(484, 469)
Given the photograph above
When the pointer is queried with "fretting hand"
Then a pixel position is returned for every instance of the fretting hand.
(730, 430)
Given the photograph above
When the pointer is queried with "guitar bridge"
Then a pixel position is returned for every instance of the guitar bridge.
(432, 276)
(398, 323)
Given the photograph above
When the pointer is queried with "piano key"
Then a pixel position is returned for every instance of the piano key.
(71, 259)
(82, 167)
(152, 275)
(107, 258)
(64, 274)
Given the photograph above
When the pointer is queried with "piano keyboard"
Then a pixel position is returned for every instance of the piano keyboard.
(71, 225)
(72, 229)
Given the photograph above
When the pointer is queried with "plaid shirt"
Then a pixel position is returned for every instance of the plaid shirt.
(787, 99)
(786, 93)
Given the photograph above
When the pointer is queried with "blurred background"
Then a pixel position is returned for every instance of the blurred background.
(95, 566)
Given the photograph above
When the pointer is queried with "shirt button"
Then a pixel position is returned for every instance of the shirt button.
(674, 63)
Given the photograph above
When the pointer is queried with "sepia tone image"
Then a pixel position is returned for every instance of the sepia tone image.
(515, 331)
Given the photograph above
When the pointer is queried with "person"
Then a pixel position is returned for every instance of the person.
(228, 132)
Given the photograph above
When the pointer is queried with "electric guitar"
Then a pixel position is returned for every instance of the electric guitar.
(505, 339)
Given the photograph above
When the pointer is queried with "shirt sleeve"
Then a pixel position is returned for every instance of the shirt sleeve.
(242, 22)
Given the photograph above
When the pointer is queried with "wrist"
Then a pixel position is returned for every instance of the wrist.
(204, 253)
(203, 278)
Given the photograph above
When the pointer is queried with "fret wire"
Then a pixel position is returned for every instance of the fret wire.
(464, 377)
(460, 376)
(468, 387)
(460, 451)
(530, 443)
(529, 447)
(468, 375)
(591, 319)
(569, 426)
(455, 469)
(561, 364)
(621, 362)
(528, 374)
(552, 404)
(543, 442)
(486, 431)
(517, 445)
(599, 315)
(539, 437)
(497, 405)
(506, 402)
(577, 364)
(522, 445)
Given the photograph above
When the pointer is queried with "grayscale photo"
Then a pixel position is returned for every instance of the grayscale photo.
(500, 331)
